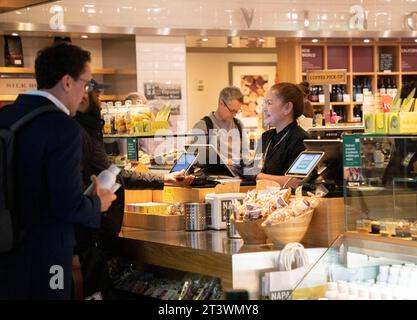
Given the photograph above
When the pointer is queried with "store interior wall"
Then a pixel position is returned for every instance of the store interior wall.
(31, 45)
(120, 54)
(213, 70)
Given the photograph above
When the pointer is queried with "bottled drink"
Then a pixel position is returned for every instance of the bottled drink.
(394, 89)
(354, 91)
(321, 94)
(359, 93)
(339, 94)
(333, 96)
(314, 96)
(369, 85)
(382, 89)
(107, 179)
(389, 88)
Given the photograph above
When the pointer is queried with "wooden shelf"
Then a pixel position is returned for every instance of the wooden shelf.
(357, 103)
(317, 104)
(388, 73)
(340, 103)
(379, 238)
(8, 97)
(363, 74)
(409, 73)
(13, 70)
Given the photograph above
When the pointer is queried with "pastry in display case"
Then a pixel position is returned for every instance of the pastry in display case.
(380, 185)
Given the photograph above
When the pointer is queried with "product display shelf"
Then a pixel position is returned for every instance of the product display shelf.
(384, 247)
(373, 72)
(110, 71)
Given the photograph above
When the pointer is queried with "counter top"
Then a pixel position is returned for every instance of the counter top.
(210, 241)
(206, 252)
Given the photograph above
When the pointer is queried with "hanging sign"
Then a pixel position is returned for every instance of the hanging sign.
(322, 77)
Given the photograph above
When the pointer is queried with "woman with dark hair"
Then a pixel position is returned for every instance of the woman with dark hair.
(306, 119)
(283, 104)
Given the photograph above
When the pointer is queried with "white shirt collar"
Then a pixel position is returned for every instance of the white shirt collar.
(51, 97)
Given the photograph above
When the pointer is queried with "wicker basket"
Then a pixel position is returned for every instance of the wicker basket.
(251, 231)
(289, 231)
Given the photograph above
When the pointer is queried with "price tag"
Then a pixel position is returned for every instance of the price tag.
(168, 195)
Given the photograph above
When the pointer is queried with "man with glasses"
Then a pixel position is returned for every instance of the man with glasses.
(48, 194)
(223, 129)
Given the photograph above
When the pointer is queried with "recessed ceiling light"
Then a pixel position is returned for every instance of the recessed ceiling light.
(315, 40)
(366, 40)
(229, 44)
(84, 36)
(14, 34)
(415, 40)
(204, 39)
(261, 40)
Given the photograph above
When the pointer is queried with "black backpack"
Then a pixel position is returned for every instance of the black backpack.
(11, 229)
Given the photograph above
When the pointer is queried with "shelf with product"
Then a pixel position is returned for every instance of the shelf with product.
(377, 66)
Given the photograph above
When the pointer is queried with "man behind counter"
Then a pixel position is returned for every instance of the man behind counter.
(222, 125)
(283, 104)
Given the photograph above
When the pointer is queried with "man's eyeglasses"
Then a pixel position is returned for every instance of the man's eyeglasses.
(89, 85)
(230, 110)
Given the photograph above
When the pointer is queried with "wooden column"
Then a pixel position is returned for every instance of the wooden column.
(289, 61)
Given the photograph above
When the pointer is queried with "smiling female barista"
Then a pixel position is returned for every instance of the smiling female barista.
(283, 104)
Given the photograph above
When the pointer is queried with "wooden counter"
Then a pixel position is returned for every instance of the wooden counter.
(205, 252)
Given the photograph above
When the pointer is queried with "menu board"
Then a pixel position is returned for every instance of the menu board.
(409, 58)
(385, 61)
(312, 58)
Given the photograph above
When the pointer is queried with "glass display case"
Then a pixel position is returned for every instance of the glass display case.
(380, 185)
(360, 268)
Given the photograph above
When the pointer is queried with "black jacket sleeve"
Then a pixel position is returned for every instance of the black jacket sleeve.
(96, 158)
(62, 166)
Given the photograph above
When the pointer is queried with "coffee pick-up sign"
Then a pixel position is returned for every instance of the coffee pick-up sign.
(322, 77)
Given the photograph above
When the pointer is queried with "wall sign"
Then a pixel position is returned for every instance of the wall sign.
(409, 58)
(323, 77)
(385, 61)
(312, 58)
(13, 86)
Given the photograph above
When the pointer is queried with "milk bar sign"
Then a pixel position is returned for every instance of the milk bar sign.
(323, 77)
(12, 86)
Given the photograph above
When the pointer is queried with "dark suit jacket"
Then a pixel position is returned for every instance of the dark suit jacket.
(49, 200)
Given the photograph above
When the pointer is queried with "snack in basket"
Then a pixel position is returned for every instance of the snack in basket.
(259, 204)
(296, 208)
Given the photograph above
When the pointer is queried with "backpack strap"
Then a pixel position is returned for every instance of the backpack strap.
(239, 127)
(209, 125)
(32, 115)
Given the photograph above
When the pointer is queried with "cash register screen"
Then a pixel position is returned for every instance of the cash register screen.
(304, 164)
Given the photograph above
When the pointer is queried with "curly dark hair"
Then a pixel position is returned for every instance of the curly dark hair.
(56, 61)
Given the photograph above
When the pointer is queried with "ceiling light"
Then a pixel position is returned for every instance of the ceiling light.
(204, 39)
(14, 34)
(84, 36)
(229, 44)
(366, 40)
(415, 40)
(315, 40)
(261, 40)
